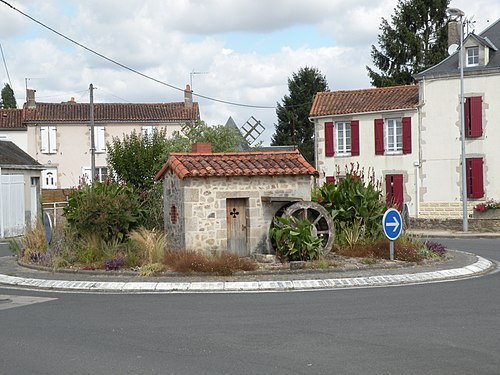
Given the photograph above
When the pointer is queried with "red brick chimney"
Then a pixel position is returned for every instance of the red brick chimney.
(201, 148)
(188, 97)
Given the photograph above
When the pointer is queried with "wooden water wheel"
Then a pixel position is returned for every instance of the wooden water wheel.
(321, 220)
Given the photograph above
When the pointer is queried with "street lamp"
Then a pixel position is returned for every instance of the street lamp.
(459, 14)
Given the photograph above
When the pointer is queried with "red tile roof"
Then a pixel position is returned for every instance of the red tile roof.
(11, 119)
(361, 101)
(271, 163)
(79, 112)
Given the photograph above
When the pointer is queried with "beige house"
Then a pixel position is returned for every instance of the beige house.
(216, 202)
(58, 134)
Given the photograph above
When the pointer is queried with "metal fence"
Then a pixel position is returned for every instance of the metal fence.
(55, 211)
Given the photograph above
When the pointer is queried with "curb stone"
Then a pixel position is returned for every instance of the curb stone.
(480, 267)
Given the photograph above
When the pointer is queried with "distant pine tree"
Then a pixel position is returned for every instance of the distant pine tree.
(8, 99)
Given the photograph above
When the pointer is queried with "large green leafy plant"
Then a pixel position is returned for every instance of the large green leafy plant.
(295, 239)
(354, 203)
(106, 210)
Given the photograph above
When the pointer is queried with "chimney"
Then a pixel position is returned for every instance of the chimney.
(30, 98)
(188, 97)
(201, 148)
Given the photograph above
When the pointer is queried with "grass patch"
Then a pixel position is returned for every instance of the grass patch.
(224, 264)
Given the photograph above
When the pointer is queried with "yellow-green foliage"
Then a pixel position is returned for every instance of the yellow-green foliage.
(151, 269)
(152, 244)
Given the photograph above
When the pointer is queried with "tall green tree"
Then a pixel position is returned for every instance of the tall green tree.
(8, 98)
(414, 40)
(294, 127)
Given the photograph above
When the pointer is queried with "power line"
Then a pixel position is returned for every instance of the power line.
(6, 69)
(129, 68)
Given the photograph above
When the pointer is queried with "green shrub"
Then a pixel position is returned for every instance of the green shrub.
(107, 210)
(295, 239)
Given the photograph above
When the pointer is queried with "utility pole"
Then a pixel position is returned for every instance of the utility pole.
(92, 142)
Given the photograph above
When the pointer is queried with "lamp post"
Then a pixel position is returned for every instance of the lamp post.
(459, 14)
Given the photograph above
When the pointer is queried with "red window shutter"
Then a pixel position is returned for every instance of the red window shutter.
(467, 117)
(379, 136)
(388, 189)
(330, 179)
(406, 135)
(354, 137)
(398, 191)
(394, 190)
(329, 151)
(474, 177)
(475, 113)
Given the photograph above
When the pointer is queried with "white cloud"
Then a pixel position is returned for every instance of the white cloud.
(169, 39)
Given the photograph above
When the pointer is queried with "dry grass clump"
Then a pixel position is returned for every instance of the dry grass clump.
(404, 250)
(224, 264)
(151, 242)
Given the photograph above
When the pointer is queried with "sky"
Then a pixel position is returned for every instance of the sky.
(240, 51)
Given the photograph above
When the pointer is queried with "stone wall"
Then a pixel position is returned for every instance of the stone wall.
(444, 210)
(204, 207)
(456, 225)
(173, 211)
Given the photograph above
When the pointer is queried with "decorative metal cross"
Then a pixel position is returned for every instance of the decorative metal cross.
(234, 213)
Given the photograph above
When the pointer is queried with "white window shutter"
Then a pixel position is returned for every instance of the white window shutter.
(44, 135)
(99, 141)
(52, 139)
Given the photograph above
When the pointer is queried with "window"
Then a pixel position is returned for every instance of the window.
(101, 173)
(49, 178)
(473, 110)
(48, 139)
(99, 139)
(148, 130)
(393, 136)
(342, 137)
(474, 177)
(473, 56)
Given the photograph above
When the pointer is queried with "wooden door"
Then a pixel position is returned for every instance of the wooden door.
(236, 209)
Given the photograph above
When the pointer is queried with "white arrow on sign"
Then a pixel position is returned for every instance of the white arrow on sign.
(395, 224)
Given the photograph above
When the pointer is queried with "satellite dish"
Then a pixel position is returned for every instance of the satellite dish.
(452, 49)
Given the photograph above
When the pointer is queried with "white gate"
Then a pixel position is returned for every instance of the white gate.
(12, 205)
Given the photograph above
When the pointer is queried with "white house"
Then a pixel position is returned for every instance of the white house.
(439, 88)
(376, 128)
(58, 134)
(410, 135)
(12, 128)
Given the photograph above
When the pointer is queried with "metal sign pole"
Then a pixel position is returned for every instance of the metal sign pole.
(391, 250)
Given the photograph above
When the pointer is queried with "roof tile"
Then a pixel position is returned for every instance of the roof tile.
(78, 112)
(271, 163)
(367, 100)
(11, 119)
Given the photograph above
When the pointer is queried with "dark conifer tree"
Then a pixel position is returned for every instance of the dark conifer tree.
(294, 127)
(414, 40)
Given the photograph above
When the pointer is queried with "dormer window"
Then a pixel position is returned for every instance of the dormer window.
(473, 56)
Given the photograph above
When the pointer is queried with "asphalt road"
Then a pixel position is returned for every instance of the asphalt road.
(441, 328)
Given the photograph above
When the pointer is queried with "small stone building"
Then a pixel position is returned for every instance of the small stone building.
(217, 202)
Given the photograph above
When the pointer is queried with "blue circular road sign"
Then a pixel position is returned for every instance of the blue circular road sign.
(392, 223)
